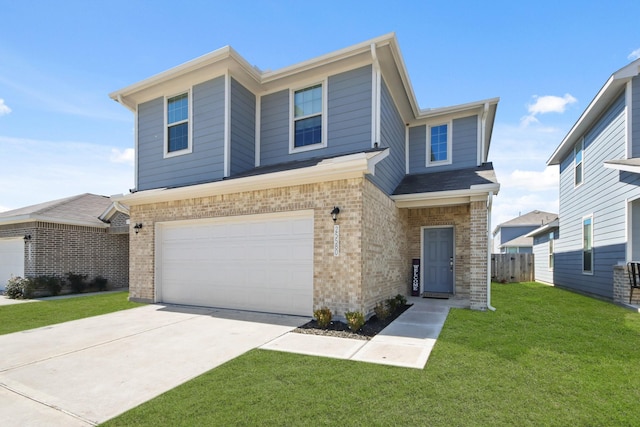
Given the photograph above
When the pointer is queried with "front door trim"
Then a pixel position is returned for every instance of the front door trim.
(423, 266)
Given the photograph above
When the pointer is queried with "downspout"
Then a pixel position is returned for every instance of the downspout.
(489, 204)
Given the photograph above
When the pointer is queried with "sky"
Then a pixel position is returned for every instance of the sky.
(61, 135)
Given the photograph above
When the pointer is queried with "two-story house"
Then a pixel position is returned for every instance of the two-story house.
(314, 185)
(512, 236)
(599, 223)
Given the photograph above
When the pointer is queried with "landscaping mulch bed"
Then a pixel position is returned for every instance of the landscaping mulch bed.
(341, 330)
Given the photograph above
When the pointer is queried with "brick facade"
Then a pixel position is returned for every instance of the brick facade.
(56, 249)
(377, 240)
(622, 287)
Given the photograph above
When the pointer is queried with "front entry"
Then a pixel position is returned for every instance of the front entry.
(437, 256)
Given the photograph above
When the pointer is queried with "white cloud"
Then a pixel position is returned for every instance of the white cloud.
(535, 180)
(634, 55)
(126, 156)
(546, 104)
(4, 108)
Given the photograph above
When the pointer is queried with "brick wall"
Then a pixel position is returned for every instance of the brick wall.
(456, 216)
(622, 287)
(337, 280)
(56, 249)
(478, 258)
(385, 259)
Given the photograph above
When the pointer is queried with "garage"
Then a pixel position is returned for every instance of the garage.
(11, 259)
(250, 262)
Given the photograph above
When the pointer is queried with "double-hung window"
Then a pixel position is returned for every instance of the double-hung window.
(587, 244)
(177, 135)
(439, 145)
(577, 167)
(308, 121)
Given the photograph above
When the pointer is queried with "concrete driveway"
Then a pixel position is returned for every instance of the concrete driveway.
(87, 371)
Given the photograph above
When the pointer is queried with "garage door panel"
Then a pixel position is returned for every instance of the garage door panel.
(11, 259)
(261, 263)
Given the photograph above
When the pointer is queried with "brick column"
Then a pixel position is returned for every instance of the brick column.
(478, 255)
(622, 287)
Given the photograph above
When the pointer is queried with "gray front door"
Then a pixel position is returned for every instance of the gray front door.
(437, 258)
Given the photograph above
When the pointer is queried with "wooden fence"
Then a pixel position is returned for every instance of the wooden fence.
(507, 268)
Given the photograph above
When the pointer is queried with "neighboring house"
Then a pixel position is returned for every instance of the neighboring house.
(599, 159)
(511, 236)
(313, 185)
(544, 239)
(84, 234)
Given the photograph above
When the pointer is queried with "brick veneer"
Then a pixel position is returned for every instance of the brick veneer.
(377, 240)
(56, 249)
(622, 288)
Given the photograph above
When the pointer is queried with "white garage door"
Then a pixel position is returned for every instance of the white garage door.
(11, 259)
(254, 262)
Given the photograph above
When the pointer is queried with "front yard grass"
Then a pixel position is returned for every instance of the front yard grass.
(20, 317)
(545, 357)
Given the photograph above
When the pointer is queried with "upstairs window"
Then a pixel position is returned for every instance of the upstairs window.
(439, 145)
(308, 118)
(587, 245)
(177, 139)
(578, 163)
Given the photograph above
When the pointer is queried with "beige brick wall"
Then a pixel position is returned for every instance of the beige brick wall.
(622, 287)
(337, 280)
(478, 262)
(457, 216)
(385, 255)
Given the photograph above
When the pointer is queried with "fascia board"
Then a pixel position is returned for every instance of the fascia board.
(454, 109)
(549, 226)
(38, 218)
(345, 167)
(444, 197)
(622, 167)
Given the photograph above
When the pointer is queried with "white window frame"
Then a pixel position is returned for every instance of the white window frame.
(551, 258)
(189, 121)
(292, 118)
(589, 272)
(581, 164)
(428, 162)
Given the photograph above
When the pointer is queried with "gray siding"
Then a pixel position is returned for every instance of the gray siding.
(205, 163)
(541, 258)
(603, 193)
(390, 171)
(509, 233)
(635, 127)
(464, 146)
(242, 128)
(348, 119)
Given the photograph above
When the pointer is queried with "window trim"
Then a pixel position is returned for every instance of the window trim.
(448, 161)
(581, 164)
(323, 143)
(587, 272)
(551, 257)
(189, 121)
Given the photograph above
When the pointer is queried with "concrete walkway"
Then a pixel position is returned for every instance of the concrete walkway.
(406, 342)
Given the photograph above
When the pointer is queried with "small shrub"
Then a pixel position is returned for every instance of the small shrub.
(19, 288)
(323, 316)
(77, 282)
(401, 300)
(381, 310)
(392, 303)
(100, 283)
(52, 284)
(355, 320)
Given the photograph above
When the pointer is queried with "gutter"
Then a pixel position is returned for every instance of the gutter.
(489, 204)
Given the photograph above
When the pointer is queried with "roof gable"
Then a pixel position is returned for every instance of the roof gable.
(83, 209)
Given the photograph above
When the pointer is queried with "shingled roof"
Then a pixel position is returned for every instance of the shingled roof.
(461, 179)
(83, 209)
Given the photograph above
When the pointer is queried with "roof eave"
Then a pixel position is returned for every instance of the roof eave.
(442, 198)
(350, 166)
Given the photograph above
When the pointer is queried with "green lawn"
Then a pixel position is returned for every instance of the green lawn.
(545, 357)
(20, 317)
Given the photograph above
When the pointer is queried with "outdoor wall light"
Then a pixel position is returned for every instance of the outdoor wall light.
(137, 227)
(27, 237)
(334, 213)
